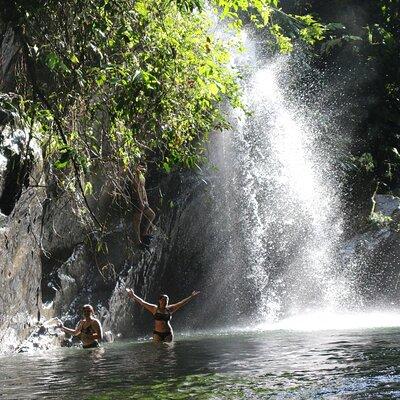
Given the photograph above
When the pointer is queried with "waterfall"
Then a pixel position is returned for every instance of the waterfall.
(278, 197)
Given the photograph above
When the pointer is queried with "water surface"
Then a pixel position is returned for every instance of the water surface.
(356, 364)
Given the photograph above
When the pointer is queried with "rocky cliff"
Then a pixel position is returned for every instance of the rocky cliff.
(52, 262)
(20, 226)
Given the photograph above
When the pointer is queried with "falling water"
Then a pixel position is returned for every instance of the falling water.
(281, 208)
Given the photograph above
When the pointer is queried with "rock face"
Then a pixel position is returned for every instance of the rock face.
(374, 259)
(166, 267)
(87, 276)
(3, 169)
(20, 269)
(387, 204)
(9, 52)
(374, 256)
(51, 261)
(21, 198)
(51, 257)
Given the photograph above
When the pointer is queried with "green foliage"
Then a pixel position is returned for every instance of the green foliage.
(111, 82)
(336, 36)
(379, 220)
(373, 50)
(151, 67)
(365, 162)
(66, 155)
(153, 74)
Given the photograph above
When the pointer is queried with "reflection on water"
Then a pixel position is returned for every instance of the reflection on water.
(358, 364)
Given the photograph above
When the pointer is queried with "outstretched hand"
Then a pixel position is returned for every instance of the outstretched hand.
(59, 324)
(130, 293)
(195, 293)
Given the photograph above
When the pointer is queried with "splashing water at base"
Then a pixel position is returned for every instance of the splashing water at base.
(326, 320)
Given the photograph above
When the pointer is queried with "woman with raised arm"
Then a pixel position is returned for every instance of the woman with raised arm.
(162, 314)
(88, 329)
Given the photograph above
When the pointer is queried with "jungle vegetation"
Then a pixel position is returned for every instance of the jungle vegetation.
(104, 84)
(364, 46)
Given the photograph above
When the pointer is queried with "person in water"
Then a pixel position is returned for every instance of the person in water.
(143, 215)
(88, 329)
(162, 313)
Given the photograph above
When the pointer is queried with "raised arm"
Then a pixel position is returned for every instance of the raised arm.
(174, 307)
(148, 306)
(73, 332)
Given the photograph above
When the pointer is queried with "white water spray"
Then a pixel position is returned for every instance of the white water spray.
(282, 188)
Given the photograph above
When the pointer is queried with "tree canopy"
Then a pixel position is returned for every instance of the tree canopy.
(106, 83)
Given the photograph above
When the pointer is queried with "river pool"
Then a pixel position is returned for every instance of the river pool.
(278, 364)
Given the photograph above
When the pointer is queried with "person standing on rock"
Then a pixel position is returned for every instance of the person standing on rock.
(88, 329)
(162, 313)
(142, 211)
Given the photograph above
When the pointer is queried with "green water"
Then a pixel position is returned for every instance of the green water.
(363, 364)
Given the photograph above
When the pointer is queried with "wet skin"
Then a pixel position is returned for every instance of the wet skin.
(163, 308)
(88, 328)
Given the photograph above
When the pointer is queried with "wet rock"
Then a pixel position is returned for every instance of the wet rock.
(3, 170)
(41, 338)
(71, 280)
(62, 226)
(42, 330)
(19, 151)
(66, 342)
(108, 336)
(3, 220)
(373, 257)
(9, 50)
(387, 204)
(20, 269)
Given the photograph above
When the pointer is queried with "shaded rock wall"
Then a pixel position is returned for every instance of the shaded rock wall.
(22, 196)
(20, 267)
(167, 267)
(49, 254)
(373, 256)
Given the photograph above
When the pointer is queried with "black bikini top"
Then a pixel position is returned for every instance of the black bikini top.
(158, 316)
(88, 330)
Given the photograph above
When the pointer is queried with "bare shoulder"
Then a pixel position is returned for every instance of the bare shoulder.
(95, 321)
